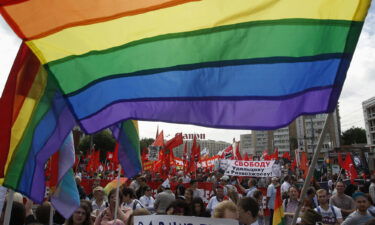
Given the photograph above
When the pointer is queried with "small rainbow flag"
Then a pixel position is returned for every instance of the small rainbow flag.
(278, 213)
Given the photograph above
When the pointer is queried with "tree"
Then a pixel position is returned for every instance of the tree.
(354, 135)
(103, 141)
(145, 142)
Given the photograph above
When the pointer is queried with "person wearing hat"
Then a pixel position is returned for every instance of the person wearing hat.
(361, 215)
(98, 202)
(224, 181)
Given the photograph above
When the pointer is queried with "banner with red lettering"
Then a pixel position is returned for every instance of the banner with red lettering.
(242, 168)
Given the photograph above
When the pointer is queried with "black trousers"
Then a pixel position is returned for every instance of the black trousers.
(271, 216)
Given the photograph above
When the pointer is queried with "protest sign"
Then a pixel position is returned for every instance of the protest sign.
(176, 220)
(153, 153)
(251, 168)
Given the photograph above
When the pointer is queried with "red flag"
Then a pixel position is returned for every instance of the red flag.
(159, 141)
(109, 156)
(350, 167)
(293, 165)
(304, 164)
(174, 142)
(339, 158)
(228, 153)
(237, 152)
(54, 170)
(275, 155)
(266, 156)
(184, 157)
(193, 152)
(286, 155)
(246, 157)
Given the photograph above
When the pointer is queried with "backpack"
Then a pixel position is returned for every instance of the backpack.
(332, 209)
(136, 202)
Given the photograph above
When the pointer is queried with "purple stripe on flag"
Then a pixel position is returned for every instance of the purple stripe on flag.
(265, 114)
(65, 123)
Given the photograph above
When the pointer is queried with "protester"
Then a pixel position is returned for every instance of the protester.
(330, 214)
(17, 215)
(290, 204)
(285, 187)
(196, 192)
(147, 200)
(342, 201)
(226, 210)
(198, 208)
(271, 195)
(178, 207)
(188, 195)
(360, 216)
(80, 217)
(215, 200)
(163, 200)
(248, 210)
(98, 202)
(109, 213)
(372, 189)
(129, 199)
(252, 187)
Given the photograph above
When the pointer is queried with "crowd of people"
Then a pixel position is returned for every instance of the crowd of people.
(232, 197)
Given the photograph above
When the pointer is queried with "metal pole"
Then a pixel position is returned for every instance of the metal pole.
(117, 192)
(9, 207)
(312, 167)
(51, 215)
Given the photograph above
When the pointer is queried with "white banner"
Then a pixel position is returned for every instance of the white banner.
(252, 168)
(153, 153)
(188, 220)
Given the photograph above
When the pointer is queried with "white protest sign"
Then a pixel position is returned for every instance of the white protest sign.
(177, 220)
(153, 153)
(251, 168)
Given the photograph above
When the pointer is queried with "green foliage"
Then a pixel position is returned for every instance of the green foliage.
(354, 135)
(145, 142)
(103, 141)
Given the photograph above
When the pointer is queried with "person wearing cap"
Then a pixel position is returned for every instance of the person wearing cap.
(99, 203)
(361, 215)
(271, 194)
(224, 181)
(215, 200)
(330, 214)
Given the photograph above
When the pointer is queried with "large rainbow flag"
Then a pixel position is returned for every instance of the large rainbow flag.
(232, 64)
(217, 63)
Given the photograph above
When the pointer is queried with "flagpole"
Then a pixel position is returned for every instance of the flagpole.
(51, 215)
(117, 192)
(9, 207)
(312, 167)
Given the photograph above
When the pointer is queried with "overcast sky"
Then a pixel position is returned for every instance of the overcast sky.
(359, 85)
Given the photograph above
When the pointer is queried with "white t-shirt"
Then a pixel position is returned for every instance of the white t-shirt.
(285, 187)
(328, 216)
(147, 202)
(212, 204)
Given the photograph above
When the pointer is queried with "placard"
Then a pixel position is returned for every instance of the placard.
(188, 220)
(252, 168)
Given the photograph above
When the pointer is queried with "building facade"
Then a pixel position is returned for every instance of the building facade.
(368, 107)
(303, 133)
(213, 147)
